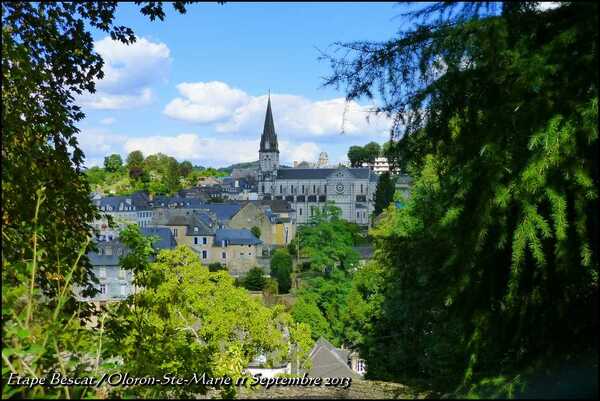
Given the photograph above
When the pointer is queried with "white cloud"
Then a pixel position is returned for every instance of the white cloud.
(107, 101)
(129, 73)
(216, 151)
(189, 146)
(97, 143)
(232, 110)
(205, 102)
(307, 151)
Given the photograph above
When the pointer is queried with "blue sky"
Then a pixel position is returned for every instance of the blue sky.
(194, 86)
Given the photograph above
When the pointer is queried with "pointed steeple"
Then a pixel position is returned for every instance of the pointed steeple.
(268, 140)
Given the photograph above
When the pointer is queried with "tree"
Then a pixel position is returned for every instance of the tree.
(48, 60)
(256, 231)
(497, 120)
(356, 155)
(327, 240)
(372, 150)
(255, 279)
(281, 269)
(113, 163)
(185, 168)
(135, 159)
(171, 178)
(216, 266)
(384, 194)
(187, 320)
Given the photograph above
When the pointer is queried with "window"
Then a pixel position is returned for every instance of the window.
(357, 215)
(204, 240)
(123, 289)
(361, 188)
(204, 255)
(195, 229)
(175, 232)
(280, 189)
(314, 189)
(300, 211)
(195, 240)
(302, 188)
(121, 274)
(103, 289)
(223, 255)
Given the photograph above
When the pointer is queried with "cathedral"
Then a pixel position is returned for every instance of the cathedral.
(351, 189)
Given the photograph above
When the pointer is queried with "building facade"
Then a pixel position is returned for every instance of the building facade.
(350, 189)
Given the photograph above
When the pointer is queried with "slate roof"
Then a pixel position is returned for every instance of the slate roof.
(165, 241)
(328, 361)
(223, 211)
(165, 237)
(320, 173)
(268, 139)
(276, 205)
(235, 237)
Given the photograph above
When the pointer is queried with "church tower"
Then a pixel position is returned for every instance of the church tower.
(268, 155)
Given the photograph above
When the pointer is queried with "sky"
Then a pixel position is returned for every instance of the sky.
(195, 86)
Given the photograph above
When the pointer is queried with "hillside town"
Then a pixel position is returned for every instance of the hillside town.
(300, 200)
(257, 212)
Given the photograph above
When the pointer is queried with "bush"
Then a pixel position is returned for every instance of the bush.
(255, 279)
(281, 269)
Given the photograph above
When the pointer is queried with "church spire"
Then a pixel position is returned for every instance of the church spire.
(268, 140)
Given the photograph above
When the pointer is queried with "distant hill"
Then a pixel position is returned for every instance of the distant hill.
(229, 169)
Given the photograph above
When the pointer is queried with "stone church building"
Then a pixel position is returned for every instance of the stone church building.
(351, 189)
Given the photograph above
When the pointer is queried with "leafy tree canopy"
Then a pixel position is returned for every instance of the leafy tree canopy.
(496, 254)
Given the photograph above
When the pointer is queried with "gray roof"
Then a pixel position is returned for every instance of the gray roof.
(235, 237)
(268, 139)
(165, 237)
(328, 361)
(223, 211)
(320, 173)
(165, 241)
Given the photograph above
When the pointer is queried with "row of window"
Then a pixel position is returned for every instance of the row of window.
(305, 189)
(124, 289)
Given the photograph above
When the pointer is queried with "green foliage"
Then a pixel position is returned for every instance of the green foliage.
(185, 168)
(328, 239)
(281, 269)
(256, 231)
(216, 266)
(38, 329)
(255, 279)
(493, 262)
(113, 163)
(188, 320)
(135, 159)
(384, 194)
(364, 154)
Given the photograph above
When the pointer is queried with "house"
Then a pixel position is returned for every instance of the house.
(124, 210)
(237, 249)
(329, 361)
(115, 283)
(275, 230)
